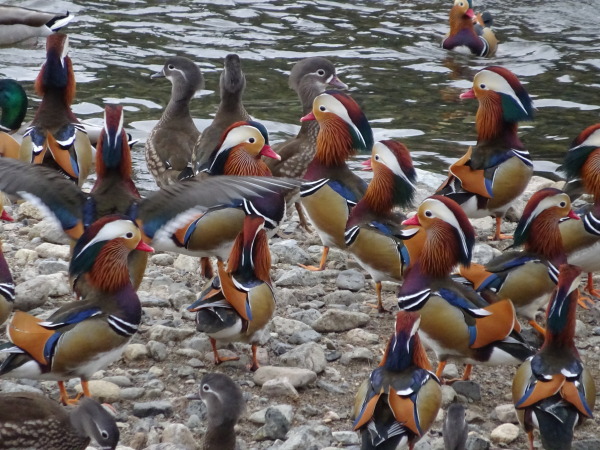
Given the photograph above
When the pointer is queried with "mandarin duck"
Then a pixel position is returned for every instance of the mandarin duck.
(225, 405)
(231, 110)
(527, 277)
(372, 225)
(13, 102)
(246, 301)
(84, 336)
(399, 402)
(7, 289)
(331, 189)
(170, 143)
(19, 24)
(581, 240)
(55, 137)
(29, 420)
(455, 321)
(470, 31)
(491, 175)
(553, 391)
(308, 78)
(456, 428)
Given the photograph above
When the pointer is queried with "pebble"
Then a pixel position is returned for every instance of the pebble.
(147, 409)
(358, 336)
(132, 393)
(350, 279)
(9, 387)
(335, 320)
(25, 256)
(180, 435)
(165, 334)
(298, 377)
(290, 252)
(120, 380)
(308, 356)
(187, 263)
(279, 387)
(103, 391)
(286, 410)
(346, 437)
(318, 435)
(343, 297)
(450, 371)
(301, 277)
(276, 426)
(358, 354)
(287, 327)
(469, 389)
(47, 250)
(506, 413)
(135, 352)
(303, 337)
(157, 350)
(505, 433)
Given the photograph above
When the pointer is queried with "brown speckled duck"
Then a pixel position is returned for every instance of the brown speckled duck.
(171, 142)
(7, 289)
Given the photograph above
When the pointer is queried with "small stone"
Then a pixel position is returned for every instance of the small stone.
(343, 297)
(50, 231)
(30, 211)
(103, 391)
(331, 416)
(46, 267)
(351, 279)
(200, 344)
(358, 336)
(298, 377)
(189, 264)
(586, 444)
(358, 354)
(303, 337)
(47, 250)
(147, 409)
(450, 371)
(165, 334)
(330, 387)
(180, 435)
(120, 380)
(476, 442)
(346, 437)
(132, 393)
(9, 387)
(448, 395)
(135, 352)
(260, 416)
(308, 356)
(162, 259)
(505, 433)
(34, 292)
(287, 327)
(290, 252)
(318, 435)
(307, 316)
(279, 387)
(581, 329)
(25, 256)
(469, 389)
(335, 320)
(300, 277)
(506, 413)
(276, 426)
(158, 350)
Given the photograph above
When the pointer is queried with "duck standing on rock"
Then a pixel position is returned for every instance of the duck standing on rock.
(13, 102)
(553, 391)
(491, 175)
(84, 336)
(170, 143)
(29, 420)
(455, 321)
(527, 277)
(399, 402)
(308, 78)
(372, 227)
(55, 137)
(19, 24)
(246, 302)
(331, 189)
(470, 31)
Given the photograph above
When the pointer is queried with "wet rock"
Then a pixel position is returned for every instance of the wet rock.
(135, 352)
(279, 387)
(147, 409)
(319, 437)
(179, 434)
(290, 252)
(506, 413)
(276, 426)
(165, 334)
(351, 279)
(505, 433)
(287, 327)
(103, 391)
(47, 250)
(358, 336)
(469, 389)
(298, 377)
(308, 356)
(303, 337)
(359, 354)
(259, 416)
(335, 320)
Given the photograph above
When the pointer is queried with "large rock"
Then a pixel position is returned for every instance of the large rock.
(276, 426)
(343, 297)
(335, 320)
(287, 327)
(351, 279)
(47, 250)
(505, 433)
(34, 292)
(187, 263)
(288, 251)
(298, 377)
(308, 356)
(50, 231)
(260, 416)
(179, 434)
(279, 387)
(318, 435)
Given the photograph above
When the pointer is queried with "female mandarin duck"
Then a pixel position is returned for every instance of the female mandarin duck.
(527, 277)
(399, 402)
(582, 239)
(455, 321)
(246, 301)
(372, 227)
(170, 143)
(55, 137)
(85, 336)
(467, 30)
(308, 78)
(29, 420)
(456, 428)
(7, 289)
(13, 102)
(553, 391)
(19, 24)
(231, 110)
(331, 188)
(496, 171)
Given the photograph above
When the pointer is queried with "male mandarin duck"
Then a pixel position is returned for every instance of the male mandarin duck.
(225, 405)
(467, 30)
(231, 110)
(491, 175)
(308, 78)
(13, 102)
(7, 289)
(18, 24)
(399, 402)
(246, 301)
(29, 420)
(582, 240)
(331, 189)
(527, 277)
(372, 227)
(84, 336)
(170, 143)
(553, 391)
(455, 321)
(55, 137)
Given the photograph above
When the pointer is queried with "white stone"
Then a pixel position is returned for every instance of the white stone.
(25, 256)
(361, 337)
(47, 250)
(179, 434)
(28, 210)
(506, 413)
(297, 376)
(505, 433)
(187, 263)
(135, 352)
(103, 391)
(279, 387)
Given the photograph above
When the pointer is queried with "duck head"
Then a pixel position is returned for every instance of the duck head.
(233, 80)
(223, 399)
(240, 151)
(344, 129)
(250, 252)
(538, 227)
(91, 419)
(101, 252)
(560, 314)
(583, 159)
(185, 77)
(57, 71)
(503, 102)
(13, 102)
(450, 235)
(404, 348)
(461, 16)
(112, 149)
(311, 77)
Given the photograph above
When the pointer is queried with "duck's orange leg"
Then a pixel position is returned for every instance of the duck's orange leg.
(218, 359)
(498, 236)
(467, 373)
(530, 439)
(537, 327)
(254, 367)
(379, 305)
(64, 396)
(206, 269)
(440, 369)
(302, 217)
(321, 264)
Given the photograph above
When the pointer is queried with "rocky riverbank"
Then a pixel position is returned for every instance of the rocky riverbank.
(323, 342)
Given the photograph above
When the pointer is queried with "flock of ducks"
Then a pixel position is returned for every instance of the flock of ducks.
(219, 198)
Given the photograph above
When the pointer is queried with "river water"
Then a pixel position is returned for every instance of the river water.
(387, 51)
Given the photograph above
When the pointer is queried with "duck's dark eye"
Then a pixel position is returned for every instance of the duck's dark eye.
(482, 86)
(129, 235)
(205, 388)
(322, 108)
(170, 67)
(252, 140)
(428, 213)
(376, 157)
(104, 434)
(562, 204)
(320, 72)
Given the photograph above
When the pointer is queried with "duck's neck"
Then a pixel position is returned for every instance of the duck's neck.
(460, 22)
(54, 109)
(251, 255)
(221, 436)
(439, 254)
(560, 324)
(241, 163)
(590, 174)
(110, 272)
(334, 144)
(491, 125)
(544, 238)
